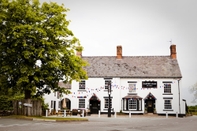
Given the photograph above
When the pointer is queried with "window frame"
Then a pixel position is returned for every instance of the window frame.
(134, 104)
(166, 104)
(167, 88)
(82, 85)
(106, 102)
(132, 87)
(126, 105)
(81, 103)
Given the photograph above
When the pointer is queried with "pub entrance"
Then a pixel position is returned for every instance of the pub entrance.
(94, 104)
(150, 103)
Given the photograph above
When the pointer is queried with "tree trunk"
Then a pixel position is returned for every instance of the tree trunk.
(27, 94)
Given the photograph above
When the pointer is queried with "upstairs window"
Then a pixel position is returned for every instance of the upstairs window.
(132, 87)
(167, 88)
(82, 84)
(107, 83)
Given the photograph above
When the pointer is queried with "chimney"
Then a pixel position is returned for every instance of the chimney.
(173, 51)
(119, 52)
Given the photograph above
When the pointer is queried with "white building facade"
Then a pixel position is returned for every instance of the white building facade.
(139, 84)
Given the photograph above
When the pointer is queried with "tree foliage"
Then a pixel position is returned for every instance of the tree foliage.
(32, 32)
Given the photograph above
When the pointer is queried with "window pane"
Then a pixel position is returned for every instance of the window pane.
(107, 103)
(167, 88)
(82, 84)
(167, 104)
(81, 103)
(132, 104)
(132, 87)
(51, 104)
(107, 83)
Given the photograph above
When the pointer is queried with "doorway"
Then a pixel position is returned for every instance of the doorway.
(150, 103)
(94, 104)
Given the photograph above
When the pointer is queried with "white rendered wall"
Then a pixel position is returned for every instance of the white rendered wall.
(120, 90)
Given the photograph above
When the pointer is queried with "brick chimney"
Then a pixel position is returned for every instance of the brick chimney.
(173, 51)
(119, 52)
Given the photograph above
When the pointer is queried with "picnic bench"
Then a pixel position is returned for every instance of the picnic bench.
(61, 112)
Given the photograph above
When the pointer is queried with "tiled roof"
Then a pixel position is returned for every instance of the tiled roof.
(64, 85)
(132, 67)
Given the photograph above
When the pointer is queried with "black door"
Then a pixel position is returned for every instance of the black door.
(150, 105)
(94, 106)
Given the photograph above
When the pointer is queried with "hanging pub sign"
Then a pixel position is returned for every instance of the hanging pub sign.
(149, 84)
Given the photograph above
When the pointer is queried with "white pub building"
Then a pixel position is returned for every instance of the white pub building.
(139, 84)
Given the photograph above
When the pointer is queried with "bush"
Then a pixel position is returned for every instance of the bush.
(6, 103)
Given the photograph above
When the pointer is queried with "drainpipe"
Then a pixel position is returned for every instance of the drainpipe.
(179, 96)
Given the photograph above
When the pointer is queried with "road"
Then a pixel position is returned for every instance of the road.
(104, 124)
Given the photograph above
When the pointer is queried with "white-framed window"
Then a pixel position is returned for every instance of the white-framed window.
(81, 103)
(132, 104)
(82, 84)
(107, 102)
(168, 104)
(107, 84)
(167, 88)
(58, 95)
(59, 104)
(52, 104)
(132, 87)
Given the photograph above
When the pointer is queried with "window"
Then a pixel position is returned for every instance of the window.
(107, 103)
(132, 104)
(58, 95)
(132, 87)
(107, 84)
(81, 103)
(82, 84)
(167, 88)
(59, 104)
(51, 104)
(167, 104)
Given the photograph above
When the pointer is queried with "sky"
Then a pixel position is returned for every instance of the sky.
(141, 27)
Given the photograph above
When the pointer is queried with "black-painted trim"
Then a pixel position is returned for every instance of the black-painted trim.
(167, 97)
(168, 110)
(167, 81)
(132, 81)
(107, 97)
(167, 94)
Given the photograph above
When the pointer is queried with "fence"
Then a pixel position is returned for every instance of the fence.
(27, 107)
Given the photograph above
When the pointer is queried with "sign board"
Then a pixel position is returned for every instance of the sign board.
(27, 104)
(149, 84)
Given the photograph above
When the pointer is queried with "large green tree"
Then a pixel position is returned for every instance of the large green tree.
(31, 32)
